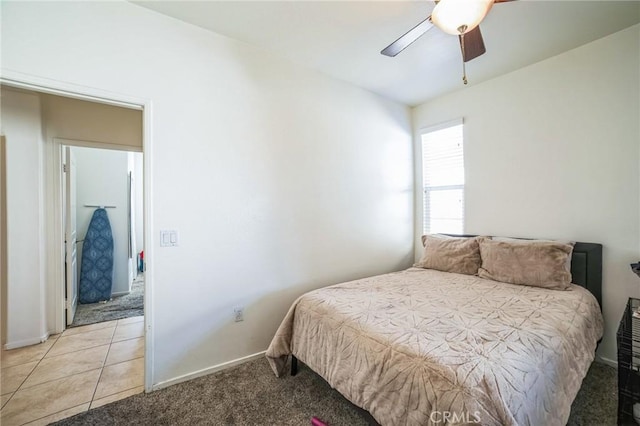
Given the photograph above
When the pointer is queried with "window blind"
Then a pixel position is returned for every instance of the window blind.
(443, 179)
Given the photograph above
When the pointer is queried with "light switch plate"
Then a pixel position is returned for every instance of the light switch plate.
(168, 238)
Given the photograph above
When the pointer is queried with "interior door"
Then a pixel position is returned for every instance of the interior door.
(70, 236)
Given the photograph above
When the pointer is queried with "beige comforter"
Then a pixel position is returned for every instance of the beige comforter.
(422, 347)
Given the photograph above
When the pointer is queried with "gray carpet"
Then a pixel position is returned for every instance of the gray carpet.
(130, 305)
(251, 395)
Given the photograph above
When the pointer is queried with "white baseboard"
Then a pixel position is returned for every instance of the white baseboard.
(206, 371)
(607, 361)
(26, 342)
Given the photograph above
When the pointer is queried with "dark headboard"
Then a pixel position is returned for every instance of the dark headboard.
(586, 266)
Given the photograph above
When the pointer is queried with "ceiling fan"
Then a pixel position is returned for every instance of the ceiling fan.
(456, 17)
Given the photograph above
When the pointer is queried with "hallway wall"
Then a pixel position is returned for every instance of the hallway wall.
(20, 122)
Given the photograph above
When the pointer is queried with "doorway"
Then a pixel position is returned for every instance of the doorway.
(124, 357)
(103, 219)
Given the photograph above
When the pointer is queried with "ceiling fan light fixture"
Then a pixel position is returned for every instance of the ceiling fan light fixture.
(459, 16)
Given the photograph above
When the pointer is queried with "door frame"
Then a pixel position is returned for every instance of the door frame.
(70, 239)
(52, 172)
(57, 158)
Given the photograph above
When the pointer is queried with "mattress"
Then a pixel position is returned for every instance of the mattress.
(422, 347)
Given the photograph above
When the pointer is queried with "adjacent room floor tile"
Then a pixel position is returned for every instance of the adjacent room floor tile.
(120, 377)
(60, 415)
(129, 331)
(12, 377)
(27, 354)
(82, 368)
(49, 398)
(76, 342)
(130, 320)
(90, 327)
(116, 397)
(125, 350)
(60, 366)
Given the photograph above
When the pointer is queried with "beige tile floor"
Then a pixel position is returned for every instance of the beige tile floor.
(80, 369)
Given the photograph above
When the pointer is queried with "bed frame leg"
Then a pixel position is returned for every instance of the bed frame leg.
(294, 365)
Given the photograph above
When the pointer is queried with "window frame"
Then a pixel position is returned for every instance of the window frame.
(424, 220)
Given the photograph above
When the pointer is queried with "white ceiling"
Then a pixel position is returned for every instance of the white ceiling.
(344, 38)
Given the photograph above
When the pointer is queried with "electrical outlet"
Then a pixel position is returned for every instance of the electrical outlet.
(238, 313)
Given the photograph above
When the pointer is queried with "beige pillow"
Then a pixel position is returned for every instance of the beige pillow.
(538, 263)
(460, 255)
(525, 241)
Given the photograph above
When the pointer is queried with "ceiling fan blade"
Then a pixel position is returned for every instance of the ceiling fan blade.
(473, 44)
(412, 35)
(501, 1)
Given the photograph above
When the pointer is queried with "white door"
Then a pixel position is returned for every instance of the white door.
(70, 236)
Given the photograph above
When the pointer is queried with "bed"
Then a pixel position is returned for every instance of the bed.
(426, 347)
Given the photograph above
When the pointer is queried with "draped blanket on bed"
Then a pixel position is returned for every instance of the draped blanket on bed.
(415, 346)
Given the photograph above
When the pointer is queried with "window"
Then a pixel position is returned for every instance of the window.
(443, 178)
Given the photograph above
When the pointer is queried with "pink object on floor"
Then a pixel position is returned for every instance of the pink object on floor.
(317, 422)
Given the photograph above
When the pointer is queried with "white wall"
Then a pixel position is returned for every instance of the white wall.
(3, 241)
(102, 180)
(20, 122)
(137, 170)
(279, 179)
(552, 151)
